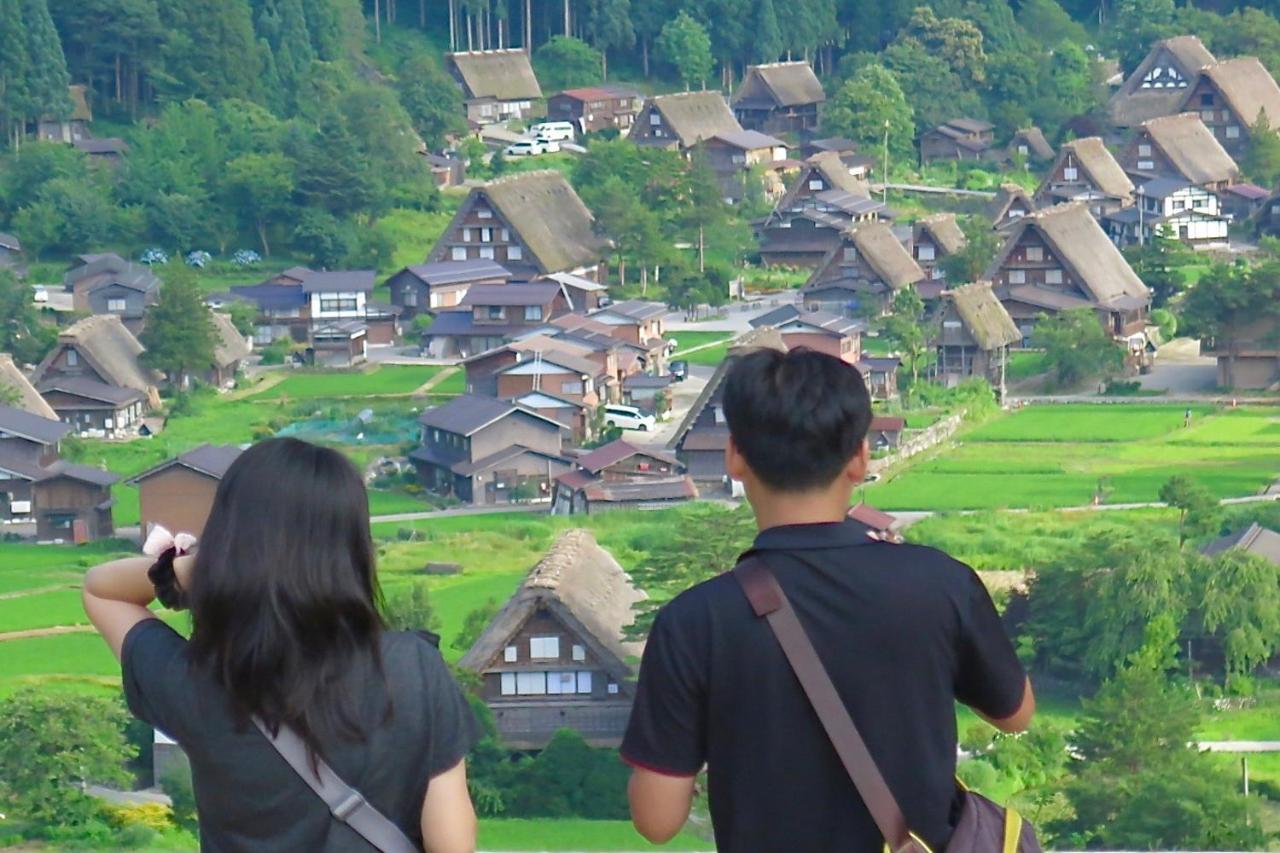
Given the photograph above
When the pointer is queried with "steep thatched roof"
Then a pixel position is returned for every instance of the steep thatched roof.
(546, 214)
(877, 244)
(836, 172)
(1133, 103)
(26, 397)
(1034, 139)
(695, 116)
(503, 74)
(983, 315)
(110, 349)
(766, 337)
(79, 102)
(231, 346)
(945, 231)
(1005, 197)
(1192, 148)
(1076, 238)
(1097, 164)
(784, 84)
(581, 584)
(1248, 87)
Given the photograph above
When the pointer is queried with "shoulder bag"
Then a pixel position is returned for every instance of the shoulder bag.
(983, 827)
(345, 803)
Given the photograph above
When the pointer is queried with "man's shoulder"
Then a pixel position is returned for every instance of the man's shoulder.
(699, 599)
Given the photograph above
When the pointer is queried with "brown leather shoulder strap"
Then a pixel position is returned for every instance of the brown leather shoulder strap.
(769, 601)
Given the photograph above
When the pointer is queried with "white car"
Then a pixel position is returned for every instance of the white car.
(549, 146)
(40, 296)
(628, 417)
(524, 148)
(558, 131)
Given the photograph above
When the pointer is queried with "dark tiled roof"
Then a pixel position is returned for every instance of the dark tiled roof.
(469, 469)
(91, 389)
(339, 281)
(533, 293)
(635, 309)
(707, 438)
(878, 364)
(209, 459)
(641, 489)
(1255, 539)
(82, 473)
(271, 296)
(458, 272)
(23, 424)
(615, 452)
(19, 464)
(886, 423)
(469, 413)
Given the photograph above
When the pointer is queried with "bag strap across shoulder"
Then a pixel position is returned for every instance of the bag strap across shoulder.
(345, 803)
(769, 601)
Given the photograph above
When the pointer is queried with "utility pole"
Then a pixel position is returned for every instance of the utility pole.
(884, 180)
(1142, 198)
(453, 28)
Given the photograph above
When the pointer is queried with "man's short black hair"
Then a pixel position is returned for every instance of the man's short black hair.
(797, 417)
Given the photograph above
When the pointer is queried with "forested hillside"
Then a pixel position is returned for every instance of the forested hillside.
(294, 124)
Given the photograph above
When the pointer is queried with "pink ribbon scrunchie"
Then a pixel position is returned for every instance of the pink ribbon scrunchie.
(166, 547)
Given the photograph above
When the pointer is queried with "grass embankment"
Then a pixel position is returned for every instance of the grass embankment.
(1062, 455)
(386, 380)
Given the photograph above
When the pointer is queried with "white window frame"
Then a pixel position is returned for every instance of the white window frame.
(1017, 276)
(1035, 253)
(1144, 150)
(533, 312)
(73, 358)
(1070, 173)
(515, 253)
(486, 252)
(458, 253)
(508, 682)
(584, 682)
(510, 654)
(1146, 165)
(466, 235)
(544, 648)
(1053, 276)
(117, 306)
(531, 684)
(484, 213)
(815, 183)
(579, 653)
(924, 252)
(613, 688)
(1233, 131)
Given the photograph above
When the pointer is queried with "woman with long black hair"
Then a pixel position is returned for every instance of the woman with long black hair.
(287, 639)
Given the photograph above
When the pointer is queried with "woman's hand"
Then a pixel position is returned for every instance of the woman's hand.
(182, 568)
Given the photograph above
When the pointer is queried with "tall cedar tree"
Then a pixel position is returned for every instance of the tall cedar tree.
(211, 51)
(14, 65)
(768, 36)
(47, 77)
(686, 47)
(179, 336)
(432, 101)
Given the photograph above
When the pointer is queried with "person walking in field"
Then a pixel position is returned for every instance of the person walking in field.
(904, 632)
(289, 678)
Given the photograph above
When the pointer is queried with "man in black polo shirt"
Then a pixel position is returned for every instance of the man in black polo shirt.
(904, 630)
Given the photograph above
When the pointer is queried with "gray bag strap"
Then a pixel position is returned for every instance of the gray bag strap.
(345, 803)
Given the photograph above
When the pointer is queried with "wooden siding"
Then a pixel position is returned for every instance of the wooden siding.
(178, 499)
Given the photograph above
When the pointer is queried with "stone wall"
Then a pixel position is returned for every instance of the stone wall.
(918, 443)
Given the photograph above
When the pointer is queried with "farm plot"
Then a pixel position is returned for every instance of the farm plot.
(384, 380)
(1058, 456)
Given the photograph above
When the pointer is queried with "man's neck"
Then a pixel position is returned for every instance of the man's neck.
(781, 510)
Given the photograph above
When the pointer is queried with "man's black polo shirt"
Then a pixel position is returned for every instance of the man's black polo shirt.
(904, 631)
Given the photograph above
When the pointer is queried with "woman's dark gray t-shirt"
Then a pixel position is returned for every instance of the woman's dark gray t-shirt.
(248, 798)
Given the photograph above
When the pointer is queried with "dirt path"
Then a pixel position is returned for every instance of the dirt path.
(23, 593)
(425, 387)
(268, 382)
(46, 632)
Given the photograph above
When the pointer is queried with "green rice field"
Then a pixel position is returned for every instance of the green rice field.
(384, 380)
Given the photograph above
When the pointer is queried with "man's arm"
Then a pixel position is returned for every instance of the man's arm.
(660, 804)
(1018, 721)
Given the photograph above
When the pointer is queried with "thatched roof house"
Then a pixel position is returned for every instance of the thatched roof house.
(943, 230)
(779, 97)
(1180, 146)
(1085, 168)
(1011, 203)
(683, 119)
(17, 391)
(556, 655)
(1160, 83)
(505, 75)
(1232, 96)
(1030, 143)
(982, 316)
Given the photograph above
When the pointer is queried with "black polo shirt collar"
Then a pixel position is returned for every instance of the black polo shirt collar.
(806, 537)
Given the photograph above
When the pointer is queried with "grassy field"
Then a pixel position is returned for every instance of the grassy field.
(584, 835)
(690, 339)
(1062, 455)
(709, 357)
(382, 380)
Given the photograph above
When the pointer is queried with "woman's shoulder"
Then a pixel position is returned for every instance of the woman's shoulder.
(412, 649)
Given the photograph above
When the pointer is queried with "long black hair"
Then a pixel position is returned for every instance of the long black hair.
(284, 597)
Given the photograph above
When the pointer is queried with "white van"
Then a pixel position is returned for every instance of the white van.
(553, 131)
(628, 417)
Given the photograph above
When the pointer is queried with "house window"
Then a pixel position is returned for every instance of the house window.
(533, 312)
(486, 252)
(1070, 173)
(584, 682)
(1035, 253)
(506, 235)
(1207, 116)
(531, 684)
(561, 683)
(1017, 276)
(544, 648)
(515, 253)
(466, 235)
(1206, 99)
(1233, 131)
(73, 358)
(1053, 276)
(924, 253)
(850, 254)
(571, 388)
(508, 684)
(815, 184)
(1023, 151)
(511, 654)
(496, 312)
(1179, 204)
(459, 253)
(1144, 150)
(486, 235)
(613, 688)
(117, 306)
(484, 213)
(337, 304)
(739, 159)
(1146, 165)
(579, 653)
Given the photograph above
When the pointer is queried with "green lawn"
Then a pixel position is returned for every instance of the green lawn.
(1024, 365)
(709, 357)
(687, 340)
(393, 503)
(387, 379)
(1056, 456)
(578, 835)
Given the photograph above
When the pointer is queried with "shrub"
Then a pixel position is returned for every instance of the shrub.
(155, 816)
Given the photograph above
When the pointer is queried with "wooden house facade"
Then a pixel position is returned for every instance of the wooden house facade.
(1086, 171)
(823, 200)
(1182, 147)
(595, 108)
(496, 85)
(780, 97)
(178, 493)
(974, 335)
(1230, 97)
(862, 273)
(1160, 83)
(683, 120)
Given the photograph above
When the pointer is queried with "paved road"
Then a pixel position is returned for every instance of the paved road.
(1240, 745)
(928, 190)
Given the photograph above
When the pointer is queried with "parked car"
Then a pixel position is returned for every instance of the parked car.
(560, 131)
(680, 370)
(524, 148)
(41, 296)
(549, 146)
(628, 417)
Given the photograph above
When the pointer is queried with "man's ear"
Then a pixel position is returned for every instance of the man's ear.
(734, 465)
(856, 470)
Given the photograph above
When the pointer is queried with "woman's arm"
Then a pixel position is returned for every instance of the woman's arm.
(116, 595)
(448, 818)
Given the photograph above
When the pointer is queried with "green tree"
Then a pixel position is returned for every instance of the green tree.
(609, 27)
(1240, 608)
(1197, 507)
(68, 214)
(905, 328)
(411, 609)
(935, 91)
(564, 62)
(210, 51)
(259, 188)
(633, 227)
(956, 41)
(51, 745)
(46, 74)
(322, 238)
(1228, 303)
(686, 47)
(117, 45)
(179, 336)
(1261, 161)
(869, 104)
(433, 103)
(21, 332)
(282, 25)
(1161, 263)
(474, 623)
(1077, 347)
(768, 37)
(244, 316)
(970, 262)
(1136, 24)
